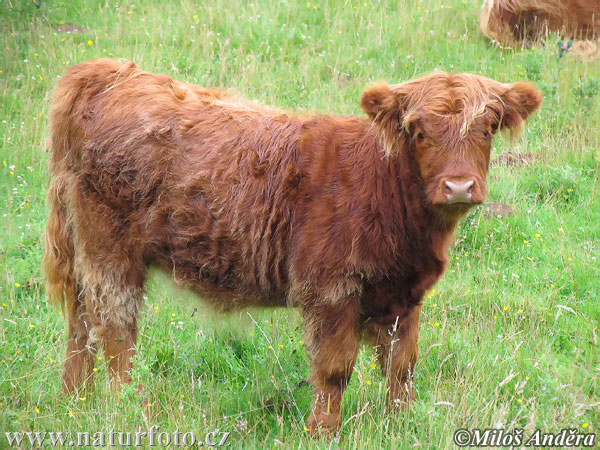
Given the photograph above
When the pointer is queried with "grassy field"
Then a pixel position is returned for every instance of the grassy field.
(509, 337)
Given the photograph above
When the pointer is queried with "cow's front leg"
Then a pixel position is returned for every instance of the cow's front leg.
(397, 349)
(332, 342)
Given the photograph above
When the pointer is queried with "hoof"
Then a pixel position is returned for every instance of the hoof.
(322, 423)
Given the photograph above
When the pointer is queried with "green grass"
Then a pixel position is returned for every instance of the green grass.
(509, 337)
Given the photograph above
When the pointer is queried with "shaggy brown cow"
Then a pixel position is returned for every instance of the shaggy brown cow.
(512, 21)
(349, 218)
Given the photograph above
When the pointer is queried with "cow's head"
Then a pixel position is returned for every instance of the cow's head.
(497, 22)
(446, 122)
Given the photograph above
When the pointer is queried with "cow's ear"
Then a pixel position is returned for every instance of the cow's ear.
(519, 100)
(377, 100)
(384, 106)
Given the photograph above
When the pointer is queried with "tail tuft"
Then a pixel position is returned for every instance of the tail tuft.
(58, 261)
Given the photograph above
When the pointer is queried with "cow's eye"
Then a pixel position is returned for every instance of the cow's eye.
(420, 136)
(486, 133)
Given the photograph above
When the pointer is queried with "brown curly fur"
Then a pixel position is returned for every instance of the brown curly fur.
(511, 22)
(245, 205)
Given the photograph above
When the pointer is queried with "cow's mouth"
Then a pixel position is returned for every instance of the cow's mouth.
(454, 211)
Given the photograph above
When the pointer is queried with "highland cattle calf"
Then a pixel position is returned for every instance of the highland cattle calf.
(511, 22)
(348, 218)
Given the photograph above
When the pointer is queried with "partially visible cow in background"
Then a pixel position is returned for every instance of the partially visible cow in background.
(348, 218)
(511, 22)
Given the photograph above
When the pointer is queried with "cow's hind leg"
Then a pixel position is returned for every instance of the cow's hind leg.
(397, 349)
(112, 300)
(332, 343)
(80, 356)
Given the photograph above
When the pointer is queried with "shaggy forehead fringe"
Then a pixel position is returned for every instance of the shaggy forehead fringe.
(461, 99)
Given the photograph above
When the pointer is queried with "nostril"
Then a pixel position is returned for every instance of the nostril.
(470, 186)
(448, 188)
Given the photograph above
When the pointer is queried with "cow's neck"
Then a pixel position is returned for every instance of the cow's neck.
(426, 228)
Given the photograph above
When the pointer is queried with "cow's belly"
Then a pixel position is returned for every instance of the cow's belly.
(219, 269)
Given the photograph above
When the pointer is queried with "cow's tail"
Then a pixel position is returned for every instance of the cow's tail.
(59, 252)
